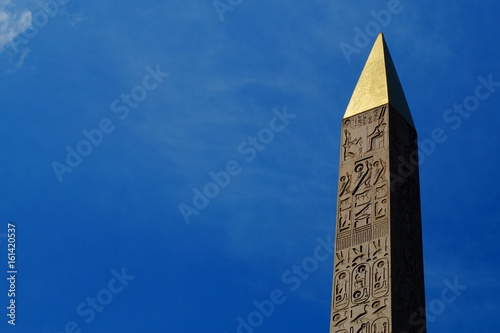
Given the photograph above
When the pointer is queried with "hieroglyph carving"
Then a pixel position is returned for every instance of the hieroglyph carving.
(362, 265)
(362, 193)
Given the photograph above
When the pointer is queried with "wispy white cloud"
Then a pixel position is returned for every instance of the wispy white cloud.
(23, 56)
(12, 22)
(77, 19)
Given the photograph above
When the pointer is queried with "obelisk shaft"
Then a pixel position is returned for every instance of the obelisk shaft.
(378, 267)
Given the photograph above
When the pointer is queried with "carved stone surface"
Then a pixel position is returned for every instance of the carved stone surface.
(378, 268)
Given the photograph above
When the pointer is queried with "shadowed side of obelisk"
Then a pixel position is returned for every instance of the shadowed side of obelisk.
(406, 229)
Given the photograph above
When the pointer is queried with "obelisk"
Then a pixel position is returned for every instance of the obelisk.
(378, 284)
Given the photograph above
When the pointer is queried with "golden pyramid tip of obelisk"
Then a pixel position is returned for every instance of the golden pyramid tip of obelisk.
(378, 84)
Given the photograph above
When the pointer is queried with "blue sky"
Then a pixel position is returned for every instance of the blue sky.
(160, 97)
